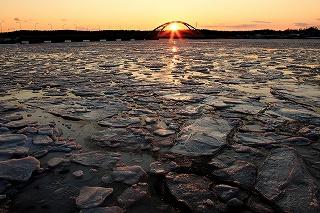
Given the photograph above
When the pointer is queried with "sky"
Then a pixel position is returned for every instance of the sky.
(148, 14)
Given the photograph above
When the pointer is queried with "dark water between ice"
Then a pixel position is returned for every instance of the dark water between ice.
(125, 91)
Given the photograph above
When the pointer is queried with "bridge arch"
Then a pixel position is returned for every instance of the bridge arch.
(163, 26)
(157, 31)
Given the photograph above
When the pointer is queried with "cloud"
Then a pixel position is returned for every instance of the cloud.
(318, 19)
(64, 19)
(239, 26)
(210, 26)
(262, 22)
(301, 24)
(22, 20)
(242, 26)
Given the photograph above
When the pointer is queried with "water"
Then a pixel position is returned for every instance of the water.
(171, 82)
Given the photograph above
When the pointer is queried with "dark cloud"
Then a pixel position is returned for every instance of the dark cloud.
(301, 24)
(318, 19)
(262, 22)
(21, 20)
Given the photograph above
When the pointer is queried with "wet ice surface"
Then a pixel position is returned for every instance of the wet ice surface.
(204, 126)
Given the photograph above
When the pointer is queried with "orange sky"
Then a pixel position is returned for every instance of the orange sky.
(148, 14)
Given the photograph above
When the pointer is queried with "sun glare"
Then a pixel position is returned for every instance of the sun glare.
(174, 27)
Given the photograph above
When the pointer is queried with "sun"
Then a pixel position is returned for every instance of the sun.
(174, 27)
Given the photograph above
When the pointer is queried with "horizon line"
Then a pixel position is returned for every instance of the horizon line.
(139, 30)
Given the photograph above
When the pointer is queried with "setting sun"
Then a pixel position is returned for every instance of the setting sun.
(125, 14)
(159, 106)
(174, 27)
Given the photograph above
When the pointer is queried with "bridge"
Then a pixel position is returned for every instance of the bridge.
(160, 31)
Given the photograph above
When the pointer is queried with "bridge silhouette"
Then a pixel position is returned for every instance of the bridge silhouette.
(57, 36)
(189, 32)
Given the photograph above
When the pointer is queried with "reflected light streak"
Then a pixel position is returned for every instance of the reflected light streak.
(174, 49)
(175, 34)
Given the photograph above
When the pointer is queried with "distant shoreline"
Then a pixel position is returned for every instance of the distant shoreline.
(61, 36)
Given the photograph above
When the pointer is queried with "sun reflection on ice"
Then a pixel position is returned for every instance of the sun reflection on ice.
(174, 49)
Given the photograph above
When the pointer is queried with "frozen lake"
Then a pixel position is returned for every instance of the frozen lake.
(203, 126)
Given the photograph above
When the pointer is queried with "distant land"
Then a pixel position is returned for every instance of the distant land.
(25, 36)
